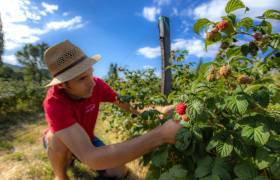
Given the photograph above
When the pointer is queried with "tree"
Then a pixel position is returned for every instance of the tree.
(31, 56)
(1, 41)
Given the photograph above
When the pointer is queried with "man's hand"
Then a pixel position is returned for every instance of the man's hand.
(169, 130)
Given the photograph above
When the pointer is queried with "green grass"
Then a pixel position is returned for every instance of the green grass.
(22, 155)
(16, 156)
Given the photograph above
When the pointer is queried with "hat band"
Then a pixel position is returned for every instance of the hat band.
(71, 65)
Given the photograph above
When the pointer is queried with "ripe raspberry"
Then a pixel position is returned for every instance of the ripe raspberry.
(224, 71)
(181, 108)
(257, 36)
(222, 25)
(244, 79)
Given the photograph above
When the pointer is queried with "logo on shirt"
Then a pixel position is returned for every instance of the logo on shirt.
(90, 108)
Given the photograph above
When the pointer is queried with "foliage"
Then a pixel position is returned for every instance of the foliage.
(233, 105)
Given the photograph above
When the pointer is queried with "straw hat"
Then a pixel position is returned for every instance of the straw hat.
(66, 61)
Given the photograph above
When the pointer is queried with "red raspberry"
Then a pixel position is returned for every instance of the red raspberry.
(222, 25)
(181, 108)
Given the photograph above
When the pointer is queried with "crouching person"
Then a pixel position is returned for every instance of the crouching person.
(71, 108)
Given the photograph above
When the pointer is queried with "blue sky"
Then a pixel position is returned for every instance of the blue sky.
(123, 32)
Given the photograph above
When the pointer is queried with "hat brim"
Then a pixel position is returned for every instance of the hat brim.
(74, 71)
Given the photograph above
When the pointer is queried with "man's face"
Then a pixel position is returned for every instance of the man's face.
(81, 86)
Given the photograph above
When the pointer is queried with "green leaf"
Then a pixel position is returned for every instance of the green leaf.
(224, 149)
(211, 177)
(196, 110)
(245, 171)
(212, 144)
(261, 178)
(275, 168)
(262, 96)
(200, 23)
(237, 104)
(176, 173)
(263, 158)
(272, 14)
(221, 168)
(183, 139)
(246, 22)
(233, 5)
(203, 167)
(160, 158)
(259, 135)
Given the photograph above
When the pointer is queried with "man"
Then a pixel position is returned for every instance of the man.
(71, 108)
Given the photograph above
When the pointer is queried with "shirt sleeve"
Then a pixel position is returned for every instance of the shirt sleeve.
(107, 94)
(58, 115)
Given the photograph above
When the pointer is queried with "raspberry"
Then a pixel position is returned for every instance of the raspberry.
(215, 29)
(222, 25)
(244, 79)
(185, 118)
(210, 77)
(211, 36)
(224, 71)
(257, 36)
(181, 108)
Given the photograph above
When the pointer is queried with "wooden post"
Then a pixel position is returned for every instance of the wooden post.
(164, 36)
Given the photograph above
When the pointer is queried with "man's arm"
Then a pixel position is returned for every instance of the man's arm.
(97, 158)
(165, 110)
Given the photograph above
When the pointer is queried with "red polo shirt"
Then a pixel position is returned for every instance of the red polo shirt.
(62, 111)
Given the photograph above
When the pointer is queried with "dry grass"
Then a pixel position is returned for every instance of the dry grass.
(22, 155)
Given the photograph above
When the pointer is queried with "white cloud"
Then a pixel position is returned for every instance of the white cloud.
(195, 47)
(19, 16)
(162, 2)
(50, 8)
(216, 8)
(65, 14)
(149, 52)
(73, 23)
(150, 13)
(10, 59)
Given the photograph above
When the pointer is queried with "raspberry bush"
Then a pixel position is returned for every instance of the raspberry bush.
(230, 108)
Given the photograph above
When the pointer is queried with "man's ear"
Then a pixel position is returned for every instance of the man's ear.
(62, 86)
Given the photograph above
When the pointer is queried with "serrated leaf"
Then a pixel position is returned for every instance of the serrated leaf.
(259, 134)
(212, 144)
(246, 22)
(261, 178)
(272, 14)
(237, 104)
(176, 173)
(200, 23)
(263, 158)
(211, 177)
(245, 171)
(262, 96)
(196, 110)
(203, 167)
(183, 139)
(224, 149)
(221, 168)
(275, 168)
(233, 5)
(159, 158)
